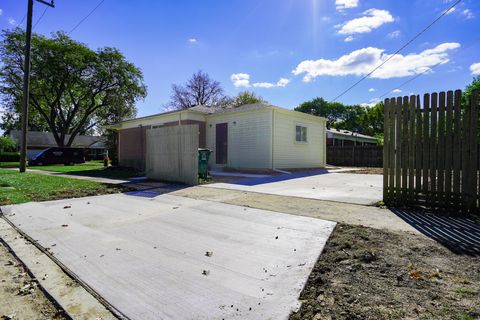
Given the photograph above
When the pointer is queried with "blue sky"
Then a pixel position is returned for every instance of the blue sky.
(287, 51)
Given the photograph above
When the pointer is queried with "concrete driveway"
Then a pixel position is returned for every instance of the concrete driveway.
(362, 189)
(170, 257)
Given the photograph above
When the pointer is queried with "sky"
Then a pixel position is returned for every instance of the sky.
(287, 51)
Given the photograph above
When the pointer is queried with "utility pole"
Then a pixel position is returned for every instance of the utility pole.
(26, 83)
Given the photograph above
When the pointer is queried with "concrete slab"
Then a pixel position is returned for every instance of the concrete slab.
(362, 189)
(74, 299)
(147, 256)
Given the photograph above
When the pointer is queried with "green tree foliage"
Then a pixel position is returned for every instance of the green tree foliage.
(7, 144)
(362, 119)
(245, 97)
(474, 86)
(73, 89)
(332, 111)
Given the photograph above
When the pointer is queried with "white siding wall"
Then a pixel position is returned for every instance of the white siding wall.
(249, 139)
(291, 154)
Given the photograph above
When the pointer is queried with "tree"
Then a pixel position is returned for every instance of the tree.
(7, 144)
(200, 89)
(73, 88)
(475, 85)
(245, 97)
(332, 111)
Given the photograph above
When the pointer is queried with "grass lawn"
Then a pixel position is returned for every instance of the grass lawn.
(89, 168)
(9, 164)
(25, 187)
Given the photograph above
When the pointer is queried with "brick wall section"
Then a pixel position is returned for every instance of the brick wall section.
(132, 144)
(132, 147)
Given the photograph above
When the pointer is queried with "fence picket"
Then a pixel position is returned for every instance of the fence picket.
(448, 150)
(433, 148)
(418, 150)
(441, 151)
(398, 149)
(426, 147)
(391, 182)
(472, 186)
(457, 164)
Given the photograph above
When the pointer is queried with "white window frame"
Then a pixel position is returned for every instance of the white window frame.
(306, 133)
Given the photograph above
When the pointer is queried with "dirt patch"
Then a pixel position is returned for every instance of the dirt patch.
(365, 273)
(367, 171)
(20, 297)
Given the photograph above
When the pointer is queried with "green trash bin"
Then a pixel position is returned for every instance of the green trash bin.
(203, 156)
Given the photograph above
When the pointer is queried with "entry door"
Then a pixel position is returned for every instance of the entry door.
(221, 149)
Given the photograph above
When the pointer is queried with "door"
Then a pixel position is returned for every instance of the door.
(221, 143)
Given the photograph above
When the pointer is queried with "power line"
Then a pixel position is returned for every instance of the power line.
(86, 17)
(21, 21)
(398, 51)
(40, 18)
(426, 70)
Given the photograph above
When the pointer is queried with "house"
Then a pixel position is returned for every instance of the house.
(37, 141)
(254, 136)
(340, 137)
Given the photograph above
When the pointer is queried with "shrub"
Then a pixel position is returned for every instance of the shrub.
(7, 144)
(9, 157)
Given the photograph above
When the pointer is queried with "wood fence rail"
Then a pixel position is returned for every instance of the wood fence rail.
(431, 151)
(355, 156)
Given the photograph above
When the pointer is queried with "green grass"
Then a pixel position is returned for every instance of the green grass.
(88, 169)
(9, 164)
(87, 166)
(24, 187)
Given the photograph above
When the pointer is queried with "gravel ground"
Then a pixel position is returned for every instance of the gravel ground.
(366, 273)
(20, 297)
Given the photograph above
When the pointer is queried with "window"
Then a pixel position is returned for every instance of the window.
(300, 134)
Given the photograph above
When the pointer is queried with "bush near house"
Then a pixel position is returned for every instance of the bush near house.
(9, 156)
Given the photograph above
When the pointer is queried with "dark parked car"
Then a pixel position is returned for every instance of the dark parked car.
(57, 155)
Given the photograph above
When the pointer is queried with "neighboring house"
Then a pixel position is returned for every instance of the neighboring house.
(340, 137)
(37, 141)
(254, 136)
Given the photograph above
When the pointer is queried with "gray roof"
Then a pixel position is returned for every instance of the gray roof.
(349, 133)
(46, 139)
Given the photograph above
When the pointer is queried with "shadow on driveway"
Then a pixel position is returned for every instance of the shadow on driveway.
(278, 178)
(459, 234)
(151, 189)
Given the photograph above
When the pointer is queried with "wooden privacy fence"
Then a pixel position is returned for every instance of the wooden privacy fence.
(431, 151)
(355, 156)
(172, 154)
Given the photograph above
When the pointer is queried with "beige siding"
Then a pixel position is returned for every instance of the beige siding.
(249, 138)
(291, 154)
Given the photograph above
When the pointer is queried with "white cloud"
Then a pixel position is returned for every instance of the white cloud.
(12, 21)
(349, 39)
(240, 80)
(267, 85)
(396, 90)
(360, 62)
(1, 12)
(371, 90)
(468, 14)
(371, 103)
(451, 10)
(345, 4)
(192, 40)
(372, 19)
(475, 69)
(394, 34)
